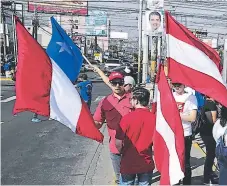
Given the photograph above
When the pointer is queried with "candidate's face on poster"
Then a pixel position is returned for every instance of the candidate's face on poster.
(155, 20)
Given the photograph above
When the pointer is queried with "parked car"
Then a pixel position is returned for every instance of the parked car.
(111, 63)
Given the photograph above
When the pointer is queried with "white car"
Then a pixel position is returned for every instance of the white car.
(112, 63)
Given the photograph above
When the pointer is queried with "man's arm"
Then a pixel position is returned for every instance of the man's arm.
(192, 104)
(191, 117)
(120, 134)
(118, 144)
(98, 116)
(214, 116)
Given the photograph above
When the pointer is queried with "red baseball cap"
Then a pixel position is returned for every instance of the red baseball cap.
(115, 75)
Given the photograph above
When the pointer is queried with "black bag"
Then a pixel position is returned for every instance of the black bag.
(14, 76)
(197, 124)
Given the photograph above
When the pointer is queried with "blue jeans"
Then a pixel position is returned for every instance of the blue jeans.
(143, 178)
(116, 162)
(222, 173)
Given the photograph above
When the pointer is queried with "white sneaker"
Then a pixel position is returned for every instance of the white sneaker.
(36, 120)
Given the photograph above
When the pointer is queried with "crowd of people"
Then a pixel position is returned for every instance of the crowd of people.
(126, 111)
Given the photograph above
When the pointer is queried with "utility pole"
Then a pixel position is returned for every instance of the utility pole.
(218, 40)
(13, 7)
(224, 73)
(96, 44)
(140, 40)
(85, 45)
(109, 30)
(145, 57)
(35, 24)
(4, 29)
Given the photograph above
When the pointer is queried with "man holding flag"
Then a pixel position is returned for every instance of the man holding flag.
(187, 106)
(184, 69)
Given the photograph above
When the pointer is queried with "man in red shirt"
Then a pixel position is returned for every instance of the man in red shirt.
(111, 109)
(136, 132)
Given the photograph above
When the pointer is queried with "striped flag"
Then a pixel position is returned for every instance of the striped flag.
(192, 62)
(44, 84)
(168, 136)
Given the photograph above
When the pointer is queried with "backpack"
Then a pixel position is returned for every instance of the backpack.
(89, 89)
(221, 150)
(198, 123)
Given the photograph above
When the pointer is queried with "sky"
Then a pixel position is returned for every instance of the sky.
(209, 15)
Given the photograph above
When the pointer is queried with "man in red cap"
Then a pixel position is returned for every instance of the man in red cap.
(111, 109)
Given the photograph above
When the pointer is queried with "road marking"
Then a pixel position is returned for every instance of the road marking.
(6, 79)
(99, 98)
(8, 99)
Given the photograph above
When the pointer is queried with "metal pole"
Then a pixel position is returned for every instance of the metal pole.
(145, 58)
(155, 42)
(96, 44)
(14, 33)
(35, 25)
(224, 73)
(22, 9)
(109, 29)
(159, 45)
(140, 39)
(4, 30)
(85, 45)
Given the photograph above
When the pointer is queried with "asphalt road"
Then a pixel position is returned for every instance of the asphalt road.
(45, 153)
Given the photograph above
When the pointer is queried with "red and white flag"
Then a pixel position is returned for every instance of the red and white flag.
(168, 136)
(192, 62)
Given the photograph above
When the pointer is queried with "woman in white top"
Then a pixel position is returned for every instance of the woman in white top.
(220, 133)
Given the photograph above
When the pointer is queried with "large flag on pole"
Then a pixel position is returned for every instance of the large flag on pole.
(192, 62)
(45, 88)
(168, 136)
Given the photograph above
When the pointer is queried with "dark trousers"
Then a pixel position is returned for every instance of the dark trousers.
(35, 115)
(222, 173)
(188, 171)
(210, 145)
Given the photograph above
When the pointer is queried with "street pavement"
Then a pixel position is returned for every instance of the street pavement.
(48, 153)
(45, 153)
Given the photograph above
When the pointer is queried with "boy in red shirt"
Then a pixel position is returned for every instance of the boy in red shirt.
(136, 132)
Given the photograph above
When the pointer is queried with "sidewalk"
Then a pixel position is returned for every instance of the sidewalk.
(104, 175)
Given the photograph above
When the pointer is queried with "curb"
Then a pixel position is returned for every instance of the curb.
(6, 79)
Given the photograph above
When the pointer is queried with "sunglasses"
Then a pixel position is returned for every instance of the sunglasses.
(117, 83)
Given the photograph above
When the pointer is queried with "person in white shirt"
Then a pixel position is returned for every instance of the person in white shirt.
(187, 106)
(189, 90)
(220, 133)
